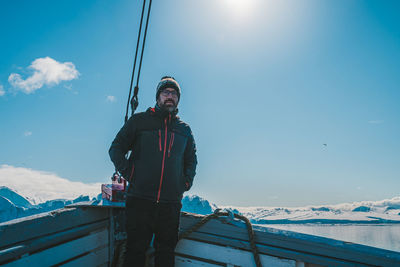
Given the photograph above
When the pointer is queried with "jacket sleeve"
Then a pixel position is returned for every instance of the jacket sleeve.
(122, 143)
(190, 161)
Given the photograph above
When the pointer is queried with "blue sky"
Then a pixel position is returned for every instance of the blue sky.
(264, 85)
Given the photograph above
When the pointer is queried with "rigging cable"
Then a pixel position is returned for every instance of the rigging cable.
(134, 101)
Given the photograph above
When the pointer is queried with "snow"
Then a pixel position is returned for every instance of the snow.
(16, 199)
(13, 205)
(384, 211)
(8, 210)
(39, 186)
(26, 191)
(196, 204)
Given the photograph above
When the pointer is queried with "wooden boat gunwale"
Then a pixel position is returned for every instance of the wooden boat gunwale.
(22, 238)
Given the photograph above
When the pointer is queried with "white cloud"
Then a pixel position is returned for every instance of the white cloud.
(2, 92)
(39, 186)
(46, 71)
(27, 133)
(111, 98)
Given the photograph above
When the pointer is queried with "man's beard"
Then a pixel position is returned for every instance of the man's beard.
(168, 106)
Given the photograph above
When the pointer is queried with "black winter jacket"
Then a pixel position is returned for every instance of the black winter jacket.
(163, 161)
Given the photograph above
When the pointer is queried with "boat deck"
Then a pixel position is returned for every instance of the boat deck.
(93, 235)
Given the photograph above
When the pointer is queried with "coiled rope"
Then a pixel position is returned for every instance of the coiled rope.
(218, 213)
(121, 248)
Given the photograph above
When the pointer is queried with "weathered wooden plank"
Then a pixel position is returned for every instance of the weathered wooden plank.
(48, 241)
(284, 244)
(92, 205)
(64, 252)
(270, 250)
(185, 262)
(299, 242)
(111, 234)
(228, 255)
(94, 258)
(23, 229)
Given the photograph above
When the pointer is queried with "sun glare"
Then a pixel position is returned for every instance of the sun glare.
(240, 8)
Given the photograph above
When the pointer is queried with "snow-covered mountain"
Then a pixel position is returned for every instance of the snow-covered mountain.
(40, 186)
(14, 197)
(384, 211)
(196, 204)
(13, 205)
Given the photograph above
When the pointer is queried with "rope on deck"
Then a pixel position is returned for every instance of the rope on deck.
(218, 213)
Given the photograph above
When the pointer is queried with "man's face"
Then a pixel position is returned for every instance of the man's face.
(168, 99)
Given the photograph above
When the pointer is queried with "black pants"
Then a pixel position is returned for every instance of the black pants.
(143, 218)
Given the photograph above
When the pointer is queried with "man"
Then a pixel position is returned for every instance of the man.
(160, 169)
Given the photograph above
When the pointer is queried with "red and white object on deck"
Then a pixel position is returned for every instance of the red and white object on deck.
(116, 191)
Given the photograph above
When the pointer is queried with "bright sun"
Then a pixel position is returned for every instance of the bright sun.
(240, 8)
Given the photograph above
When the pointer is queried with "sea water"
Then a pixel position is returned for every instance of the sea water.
(386, 236)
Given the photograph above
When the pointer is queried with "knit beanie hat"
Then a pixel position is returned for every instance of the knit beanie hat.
(168, 82)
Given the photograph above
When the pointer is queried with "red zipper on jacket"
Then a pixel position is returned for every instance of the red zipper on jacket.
(171, 143)
(133, 170)
(159, 138)
(163, 161)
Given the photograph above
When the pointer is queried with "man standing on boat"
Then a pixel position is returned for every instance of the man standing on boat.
(160, 169)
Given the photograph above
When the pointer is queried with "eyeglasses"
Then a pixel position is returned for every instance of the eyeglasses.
(167, 92)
